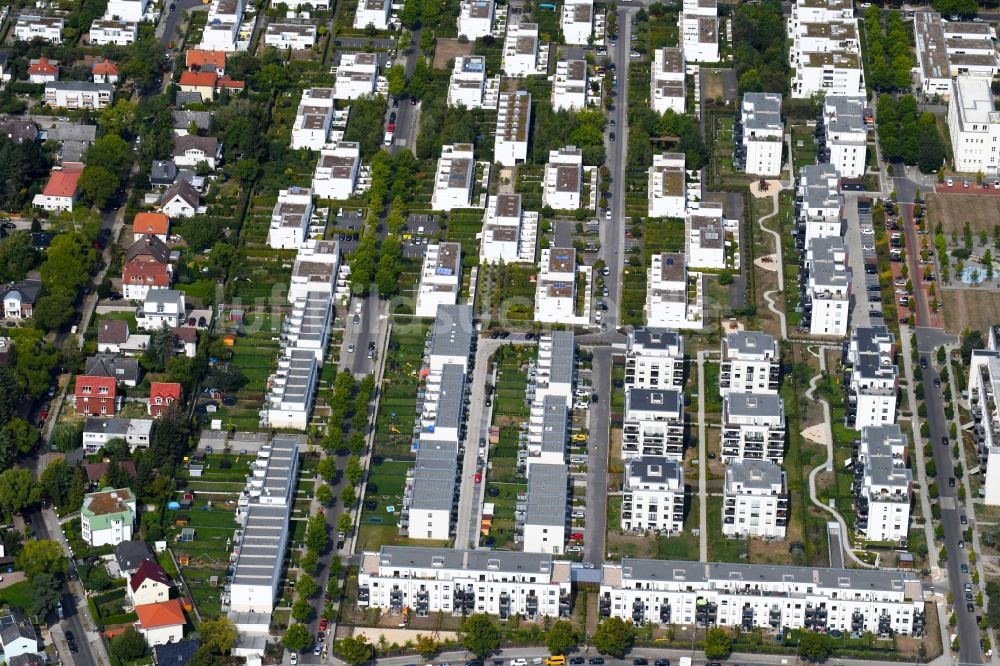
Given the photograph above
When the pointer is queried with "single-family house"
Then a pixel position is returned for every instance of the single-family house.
(125, 371)
(151, 224)
(161, 396)
(175, 654)
(191, 150)
(130, 554)
(161, 307)
(180, 200)
(95, 396)
(200, 60)
(18, 636)
(161, 623)
(105, 71)
(62, 190)
(107, 517)
(202, 83)
(43, 70)
(19, 298)
(150, 584)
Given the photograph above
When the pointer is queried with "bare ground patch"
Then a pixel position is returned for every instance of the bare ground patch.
(976, 309)
(449, 49)
(954, 210)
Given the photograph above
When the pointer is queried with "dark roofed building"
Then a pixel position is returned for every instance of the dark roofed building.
(124, 370)
(163, 172)
(95, 471)
(130, 554)
(148, 248)
(175, 654)
(18, 130)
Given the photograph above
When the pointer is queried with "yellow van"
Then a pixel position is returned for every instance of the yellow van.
(556, 660)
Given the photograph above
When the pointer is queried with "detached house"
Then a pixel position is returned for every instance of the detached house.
(43, 70)
(62, 191)
(95, 396)
(161, 307)
(18, 636)
(151, 224)
(107, 517)
(105, 72)
(180, 200)
(161, 623)
(149, 584)
(125, 371)
(138, 278)
(161, 396)
(19, 298)
(191, 150)
(202, 83)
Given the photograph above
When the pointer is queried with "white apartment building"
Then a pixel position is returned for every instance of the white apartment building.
(79, 95)
(770, 597)
(569, 85)
(313, 119)
(705, 238)
(751, 363)
(667, 303)
(547, 431)
(556, 365)
(563, 179)
(113, 31)
(453, 178)
(577, 21)
(30, 26)
(825, 52)
(819, 201)
(356, 75)
(513, 123)
(830, 73)
(836, 35)
(883, 486)
(127, 10)
(374, 13)
(946, 49)
(475, 19)
(668, 88)
(547, 501)
(467, 86)
(336, 174)
(974, 125)
(108, 517)
(755, 500)
(763, 133)
(440, 278)
(222, 30)
(555, 296)
(653, 423)
(308, 325)
(699, 28)
(667, 186)
(828, 290)
(753, 427)
(98, 431)
(654, 358)
(451, 338)
(874, 377)
(521, 51)
(316, 266)
(462, 582)
(846, 134)
(653, 496)
(984, 384)
(510, 233)
(297, 35)
(293, 387)
(290, 219)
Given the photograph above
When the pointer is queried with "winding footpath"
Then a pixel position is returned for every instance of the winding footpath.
(778, 260)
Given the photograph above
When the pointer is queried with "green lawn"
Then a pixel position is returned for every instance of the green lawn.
(18, 595)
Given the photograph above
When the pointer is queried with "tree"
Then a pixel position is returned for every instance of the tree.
(480, 634)
(327, 468)
(316, 536)
(46, 592)
(814, 647)
(344, 523)
(17, 257)
(55, 308)
(354, 650)
(561, 637)
(396, 76)
(426, 646)
(41, 557)
(354, 471)
(718, 643)
(18, 490)
(111, 152)
(219, 635)
(128, 645)
(297, 638)
(324, 495)
(97, 185)
(348, 496)
(613, 636)
(301, 610)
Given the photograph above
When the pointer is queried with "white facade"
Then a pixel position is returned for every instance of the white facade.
(98, 431)
(476, 17)
(974, 125)
(520, 50)
(127, 10)
(825, 52)
(107, 517)
(30, 26)
(290, 219)
(569, 85)
(513, 123)
(667, 186)
(667, 303)
(432, 580)
(755, 500)
(821, 203)
(653, 496)
(290, 400)
(467, 86)
(545, 517)
(763, 133)
(699, 28)
(563, 182)
(753, 427)
(668, 88)
(984, 385)
(548, 431)
(751, 363)
(356, 75)
(871, 393)
(453, 178)
(161, 307)
(316, 267)
(297, 36)
(79, 95)
(946, 49)
(828, 289)
(555, 295)
(313, 120)
(119, 33)
(654, 358)
(222, 30)
(883, 486)
(653, 423)
(336, 173)
(308, 325)
(509, 231)
(846, 134)
(372, 12)
(705, 238)
(440, 278)
(577, 21)
(830, 73)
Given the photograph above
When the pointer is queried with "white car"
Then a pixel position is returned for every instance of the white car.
(519, 662)
(607, 214)
(350, 349)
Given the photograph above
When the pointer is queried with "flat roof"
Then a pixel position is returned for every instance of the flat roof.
(654, 400)
(453, 331)
(547, 495)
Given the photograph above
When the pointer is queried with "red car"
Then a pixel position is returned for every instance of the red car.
(391, 127)
(44, 414)
(322, 624)
(576, 536)
(479, 477)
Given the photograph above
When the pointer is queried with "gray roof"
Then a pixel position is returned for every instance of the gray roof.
(29, 290)
(108, 365)
(113, 427)
(655, 469)
(453, 331)
(80, 85)
(184, 190)
(261, 549)
(754, 404)
(150, 246)
(849, 114)
(18, 129)
(818, 194)
(184, 97)
(751, 343)
(554, 410)
(657, 338)
(15, 626)
(762, 111)
(67, 131)
(654, 400)
(26, 660)
(547, 495)
(112, 331)
(434, 482)
(469, 560)
(183, 119)
(755, 474)
(163, 172)
(883, 472)
(880, 438)
(281, 462)
(301, 366)
(130, 554)
(563, 357)
(452, 397)
(206, 144)
(165, 296)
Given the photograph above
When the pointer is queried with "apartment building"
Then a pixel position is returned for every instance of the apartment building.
(827, 291)
(755, 501)
(667, 186)
(569, 85)
(669, 301)
(705, 238)
(293, 388)
(555, 371)
(653, 496)
(751, 363)
(161, 307)
(298, 35)
(753, 427)
(825, 52)
(308, 325)
(577, 21)
(336, 174)
(462, 582)
(654, 358)
(467, 86)
(762, 132)
(883, 486)
(510, 233)
(451, 337)
(545, 514)
(313, 119)
(223, 27)
(556, 285)
(316, 267)
(773, 598)
(653, 423)
(974, 125)
(872, 383)
(819, 203)
(521, 56)
(98, 431)
(668, 88)
(513, 123)
(548, 430)
(563, 180)
(79, 95)
(46, 28)
(290, 219)
(453, 177)
(113, 31)
(440, 278)
(374, 13)
(356, 75)
(127, 10)
(108, 517)
(832, 73)
(946, 49)
(475, 18)
(984, 384)
(846, 134)
(699, 28)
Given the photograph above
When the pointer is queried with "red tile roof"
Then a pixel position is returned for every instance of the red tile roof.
(63, 183)
(148, 570)
(151, 224)
(198, 79)
(200, 58)
(106, 68)
(43, 66)
(163, 614)
(231, 84)
(146, 272)
(164, 390)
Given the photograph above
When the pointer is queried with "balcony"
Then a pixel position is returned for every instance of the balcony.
(364, 596)
(604, 606)
(665, 614)
(638, 612)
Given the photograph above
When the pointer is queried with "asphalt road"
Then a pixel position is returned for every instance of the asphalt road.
(967, 629)
(169, 20)
(597, 458)
(407, 114)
